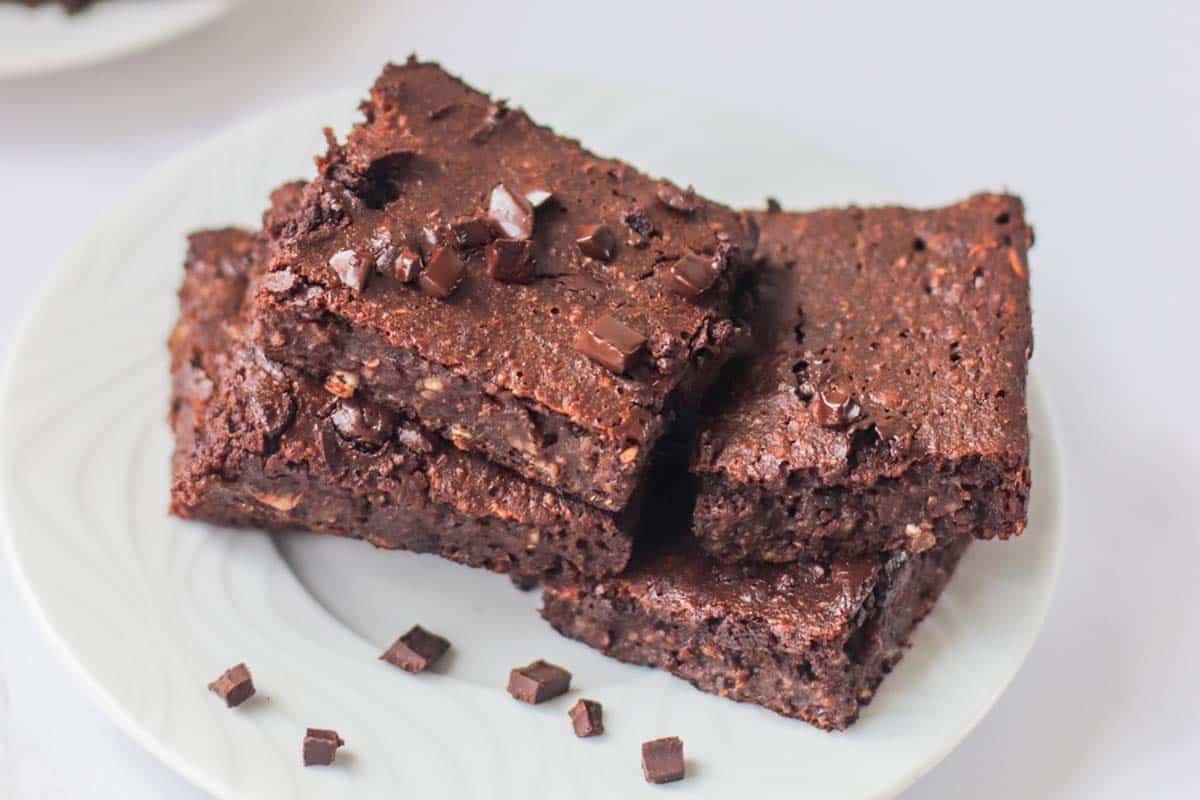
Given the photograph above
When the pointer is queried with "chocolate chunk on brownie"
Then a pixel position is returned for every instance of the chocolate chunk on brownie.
(265, 445)
(884, 406)
(450, 255)
(804, 641)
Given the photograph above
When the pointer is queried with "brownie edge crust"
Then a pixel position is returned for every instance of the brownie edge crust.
(806, 642)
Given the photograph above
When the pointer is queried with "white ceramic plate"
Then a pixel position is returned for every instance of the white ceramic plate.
(44, 39)
(149, 609)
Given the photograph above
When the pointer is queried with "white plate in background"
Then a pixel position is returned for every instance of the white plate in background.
(148, 609)
(46, 38)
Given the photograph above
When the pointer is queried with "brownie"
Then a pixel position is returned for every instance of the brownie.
(265, 445)
(530, 301)
(883, 408)
(805, 641)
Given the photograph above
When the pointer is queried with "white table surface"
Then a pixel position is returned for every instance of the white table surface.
(1091, 111)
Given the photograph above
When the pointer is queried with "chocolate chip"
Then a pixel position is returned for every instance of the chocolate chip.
(443, 274)
(639, 222)
(443, 110)
(320, 747)
(511, 213)
(329, 445)
(539, 197)
(587, 717)
(417, 650)
(538, 682)
(834, 407)
(470, 233)
(684, 202)
(365, 424)
(511, 260)
(407, 265)
(235, 685)
(693, 274)
(526, 583)
(491, 120)
(429, 238)
(351, 269)
(610, 343)
(662, 760)
(596, 241)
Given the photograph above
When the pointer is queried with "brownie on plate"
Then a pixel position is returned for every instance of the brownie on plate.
(261, 444)
(805, 641)
(884, 406)
(532, 302)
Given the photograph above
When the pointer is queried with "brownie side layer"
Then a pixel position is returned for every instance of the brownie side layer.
(494, 367)
(265, 445)
(884, 407)
(808, 643)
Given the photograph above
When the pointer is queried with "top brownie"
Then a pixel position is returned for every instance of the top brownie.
(548, 308)
(884, 407)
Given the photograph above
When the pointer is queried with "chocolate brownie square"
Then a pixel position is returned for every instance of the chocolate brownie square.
(547, 308)
(261, 444)
(805, 641)
(884, 406)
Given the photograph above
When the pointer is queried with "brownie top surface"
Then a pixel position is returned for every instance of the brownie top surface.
(251, 404)
(418, 174)
(798, 602)
(885, 335)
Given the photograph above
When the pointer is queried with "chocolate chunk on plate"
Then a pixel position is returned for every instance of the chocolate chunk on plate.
(235, 686)
(538, 682)
(417, 650)
(662, 760)
(320, 747)
(587, 717)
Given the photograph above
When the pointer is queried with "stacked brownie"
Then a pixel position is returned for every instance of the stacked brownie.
(877, 427)
(467, 335)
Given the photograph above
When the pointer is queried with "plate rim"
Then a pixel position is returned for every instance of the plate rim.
(71, 60)
(1037, 396)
